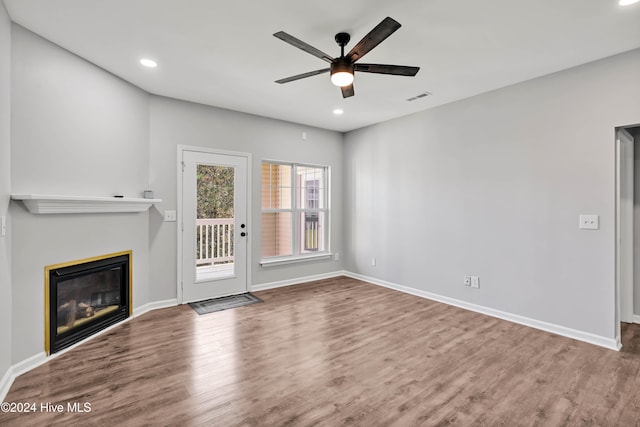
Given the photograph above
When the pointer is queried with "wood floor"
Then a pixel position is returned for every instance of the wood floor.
(329, 353)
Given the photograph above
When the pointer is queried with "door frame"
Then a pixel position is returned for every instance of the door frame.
(624, 228)
(180, 222)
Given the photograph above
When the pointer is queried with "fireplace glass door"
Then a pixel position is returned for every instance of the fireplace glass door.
(85, 297)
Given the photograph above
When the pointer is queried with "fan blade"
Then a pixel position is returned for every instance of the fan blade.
(396, 70)
(302, 45)
(347, 91)
(376, 36)
(302, 76)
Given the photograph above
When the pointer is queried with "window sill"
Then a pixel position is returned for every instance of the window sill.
(294, 260)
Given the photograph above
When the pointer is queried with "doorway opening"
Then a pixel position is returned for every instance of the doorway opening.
(627, 235)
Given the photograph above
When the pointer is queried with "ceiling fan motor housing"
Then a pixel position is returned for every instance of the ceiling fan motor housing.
(342, 72)
(342, 65)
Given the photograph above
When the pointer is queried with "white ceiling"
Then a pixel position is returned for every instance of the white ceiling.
(222, 53)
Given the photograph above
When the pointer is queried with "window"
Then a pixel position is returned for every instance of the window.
(295, 210)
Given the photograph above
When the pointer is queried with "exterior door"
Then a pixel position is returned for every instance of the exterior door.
(214, 225)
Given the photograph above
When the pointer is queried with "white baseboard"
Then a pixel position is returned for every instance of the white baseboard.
(636, 318)
(18, 369)
(139, 311)
(610, 343)
(5, 383)
(33, 362)
(296, 281)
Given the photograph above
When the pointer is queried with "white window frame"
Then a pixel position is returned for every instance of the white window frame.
(296, 212)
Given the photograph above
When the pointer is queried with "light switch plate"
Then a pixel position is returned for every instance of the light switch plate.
(475, 282)
(589, 222)
(3, 225)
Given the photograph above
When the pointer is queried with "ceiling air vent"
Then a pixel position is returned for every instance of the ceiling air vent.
(422, 95)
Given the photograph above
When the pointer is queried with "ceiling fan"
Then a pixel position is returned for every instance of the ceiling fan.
(342, 69)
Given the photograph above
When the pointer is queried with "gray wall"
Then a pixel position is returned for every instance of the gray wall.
(492, 186)
(5, 189)
(76, 130)
(176, 123)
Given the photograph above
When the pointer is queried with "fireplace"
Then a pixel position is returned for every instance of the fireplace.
(83, 297)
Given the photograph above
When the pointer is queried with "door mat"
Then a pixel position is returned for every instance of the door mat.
(223, 303)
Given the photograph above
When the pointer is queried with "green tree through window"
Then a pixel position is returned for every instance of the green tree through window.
(215, 191)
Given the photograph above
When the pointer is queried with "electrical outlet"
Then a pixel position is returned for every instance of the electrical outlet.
(467, 280)
(3, 225)
(170, 216)
(589, 222)
(336, 256)
(475, 282)
(373, 262)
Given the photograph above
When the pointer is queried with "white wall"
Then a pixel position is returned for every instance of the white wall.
(5, 190)
(176, 123)
(492, 186)
(76, 130)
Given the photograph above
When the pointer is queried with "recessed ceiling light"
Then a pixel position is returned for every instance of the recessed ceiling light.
(627, 2)
(149, 63)
(338, 111)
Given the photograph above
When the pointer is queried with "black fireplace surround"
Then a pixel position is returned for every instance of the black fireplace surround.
(85, 297)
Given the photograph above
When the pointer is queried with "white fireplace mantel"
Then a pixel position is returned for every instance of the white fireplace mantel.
(56, 204)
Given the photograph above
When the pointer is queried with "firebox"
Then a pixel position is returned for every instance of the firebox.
(84, 297)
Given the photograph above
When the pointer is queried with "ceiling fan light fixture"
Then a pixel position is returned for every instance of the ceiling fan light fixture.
(342, 79)
(342, 73)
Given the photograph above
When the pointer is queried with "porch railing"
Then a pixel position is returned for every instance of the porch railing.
(214, 241)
